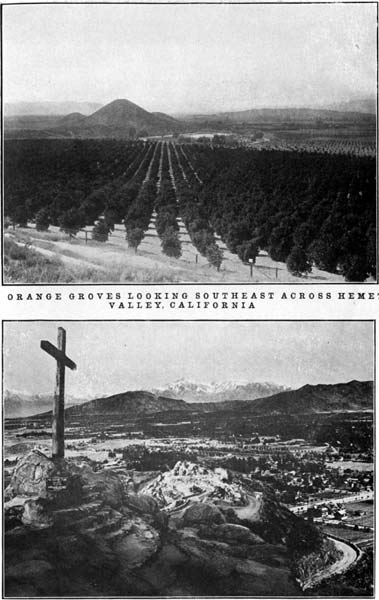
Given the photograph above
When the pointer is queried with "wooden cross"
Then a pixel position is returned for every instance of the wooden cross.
(58, 409)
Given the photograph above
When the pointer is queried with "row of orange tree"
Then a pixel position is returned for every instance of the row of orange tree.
(70, 182)
(305, 209)
(193, 211)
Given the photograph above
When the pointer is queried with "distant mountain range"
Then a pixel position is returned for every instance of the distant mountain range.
(310, 399)
(362, 105)
(219, 391)
(340, 397)
(13, 109)
(285, 115)
(122, 118)
(19, 404)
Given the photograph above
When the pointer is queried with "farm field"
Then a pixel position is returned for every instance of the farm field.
(163, 211)
(354, 465)
(361, 538)
(367, 516)
(360, 516)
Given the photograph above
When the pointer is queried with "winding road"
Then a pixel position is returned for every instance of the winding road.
(349, 556)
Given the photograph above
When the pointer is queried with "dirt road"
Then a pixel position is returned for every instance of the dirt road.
(251, 510)
(151, 264)
(349, 556)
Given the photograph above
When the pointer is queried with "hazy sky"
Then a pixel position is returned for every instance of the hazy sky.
(116, 356)
(190, 57)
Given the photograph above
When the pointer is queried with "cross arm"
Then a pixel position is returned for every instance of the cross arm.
(57, 354)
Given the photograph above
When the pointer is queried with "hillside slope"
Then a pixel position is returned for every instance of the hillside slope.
(122, 115)
(351, 396)
(132, 404)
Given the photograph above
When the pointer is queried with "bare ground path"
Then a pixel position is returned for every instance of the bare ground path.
(150, 264)
(252, 508)
(190, 165)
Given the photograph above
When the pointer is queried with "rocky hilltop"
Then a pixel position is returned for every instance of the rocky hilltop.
(76, 528)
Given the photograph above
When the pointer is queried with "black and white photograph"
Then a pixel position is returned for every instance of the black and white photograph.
(189, 143)
(188, 458)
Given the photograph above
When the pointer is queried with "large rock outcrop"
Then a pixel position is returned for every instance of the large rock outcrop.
(202, 513)
(31, 475)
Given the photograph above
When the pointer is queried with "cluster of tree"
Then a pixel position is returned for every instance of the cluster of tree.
(138, 217)
(144, 459)
(166, 207)
(194, 213)
(303, 208)
(70, 183)
(309, 550)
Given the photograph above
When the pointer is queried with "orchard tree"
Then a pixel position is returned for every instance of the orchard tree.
(248, 251)
(43, 219)
(355, 268)
(100, 231)
(171, 243)
(71, 221)
(214, 256)
(371, 250)
(298, 262)
(134, 237)
(19, 215)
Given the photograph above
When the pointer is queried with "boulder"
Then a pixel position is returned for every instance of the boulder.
(235, 534)
(202, 513)
(104, 485)
(142, 503)
(38, 476)
(30, 475)
(35, 513)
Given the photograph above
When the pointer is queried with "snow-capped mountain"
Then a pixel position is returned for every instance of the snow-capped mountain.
(219, 391)
(22, 404)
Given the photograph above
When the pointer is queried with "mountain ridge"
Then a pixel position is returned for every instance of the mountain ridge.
(265, 115)
(356, 396)
(218, 391)
(124, 119)
(49, 108)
